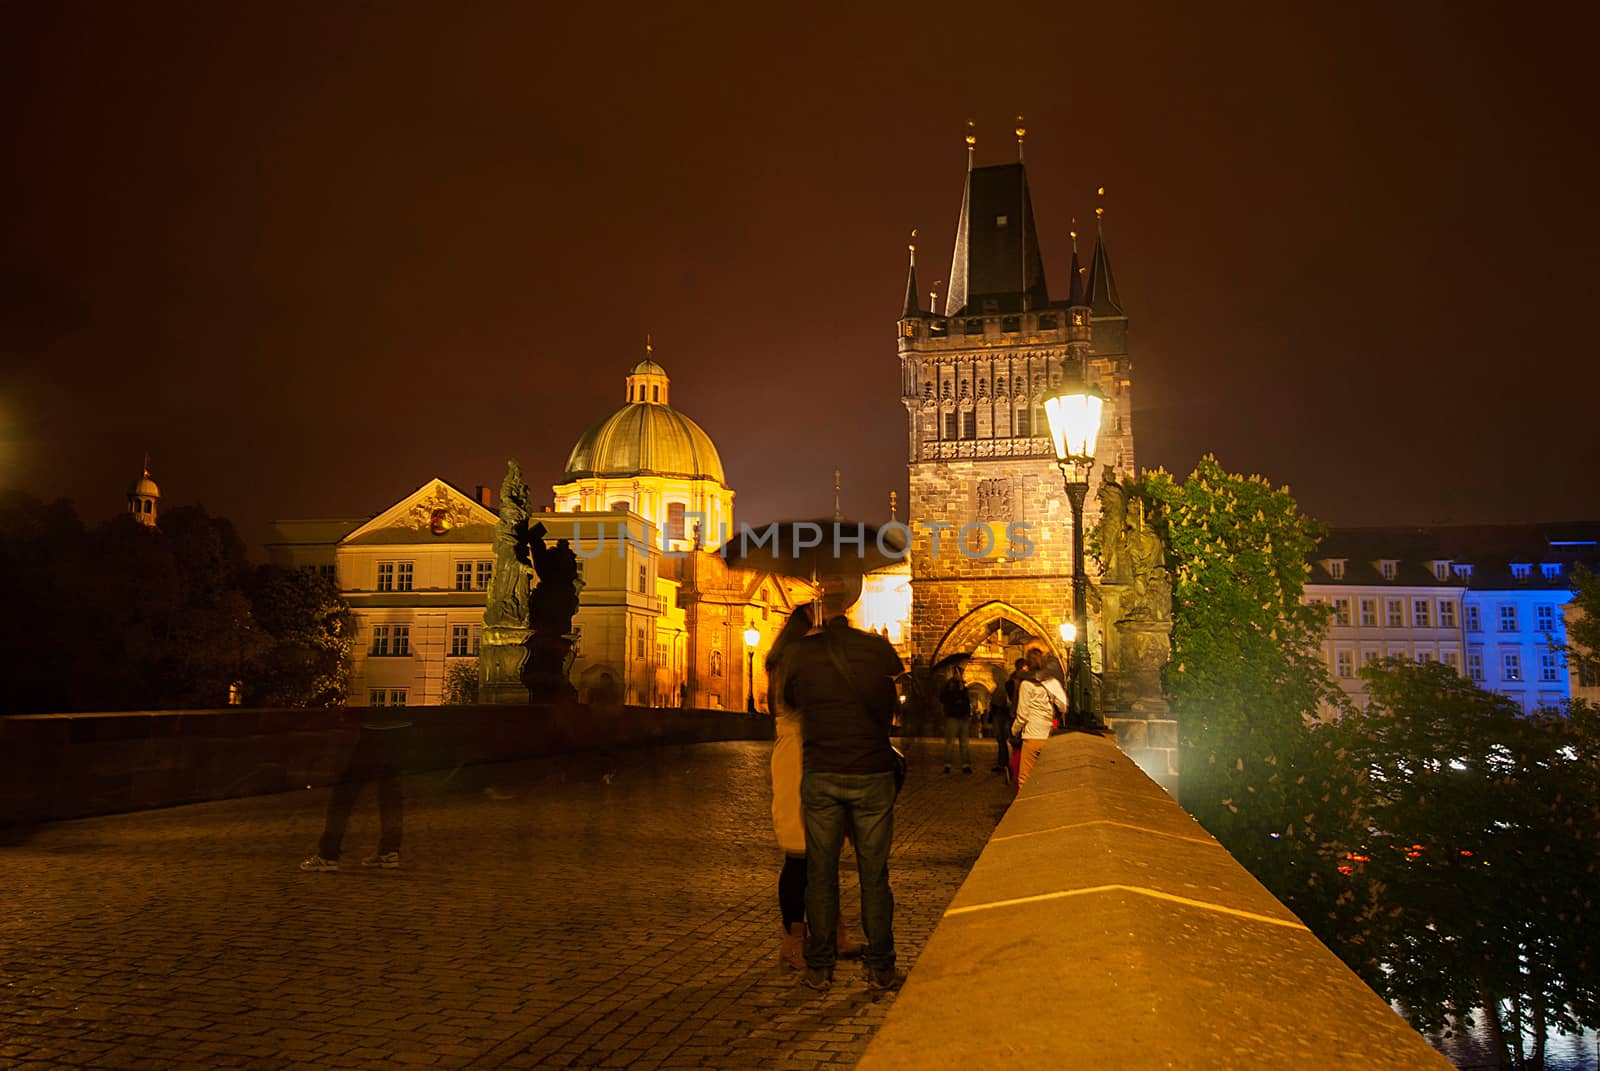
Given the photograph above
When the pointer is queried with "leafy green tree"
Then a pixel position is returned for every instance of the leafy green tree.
(1481, 834)
(1583, 634)
(1246, 684)
(310, 633)
(461, 682)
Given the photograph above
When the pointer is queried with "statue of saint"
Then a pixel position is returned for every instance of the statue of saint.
(508, 588)
(1113, 535)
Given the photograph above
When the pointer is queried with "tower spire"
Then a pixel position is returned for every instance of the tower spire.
(1102, 293)
(912, 307)
(1075, 292)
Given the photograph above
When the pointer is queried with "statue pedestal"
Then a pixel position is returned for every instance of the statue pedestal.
(501, 654)
(544, 669)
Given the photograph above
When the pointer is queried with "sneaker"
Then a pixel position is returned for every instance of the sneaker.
(966, 769)
(318, 865)
(886, 979)
(385, 860)
(818, 979)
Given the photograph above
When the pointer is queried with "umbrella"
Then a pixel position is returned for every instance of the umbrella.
(816, 550)
(950, 662)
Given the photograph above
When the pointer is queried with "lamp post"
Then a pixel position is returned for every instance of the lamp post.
(752, 637)
(1074, 416)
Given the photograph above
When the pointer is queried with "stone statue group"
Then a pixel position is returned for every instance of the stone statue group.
(544, 613)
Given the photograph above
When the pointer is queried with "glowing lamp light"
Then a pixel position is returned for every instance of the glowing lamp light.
(1074, 417)
(1069, 632)
(752, 637)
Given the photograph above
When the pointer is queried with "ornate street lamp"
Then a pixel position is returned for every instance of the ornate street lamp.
(752, 637)
(1074, 416)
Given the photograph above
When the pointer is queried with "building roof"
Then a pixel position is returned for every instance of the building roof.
(647, 367)
(1489, 550)
(645, 439)
(996, 256)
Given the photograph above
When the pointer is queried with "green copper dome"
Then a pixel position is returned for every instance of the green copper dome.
(645, 439)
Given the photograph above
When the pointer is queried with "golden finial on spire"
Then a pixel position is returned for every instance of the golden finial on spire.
(648, 348)
(1074, 233)
(1099, 209)
(1022, 132)
(972, 141)
(912, 245)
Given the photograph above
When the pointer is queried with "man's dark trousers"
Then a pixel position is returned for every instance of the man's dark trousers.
(834, 803)
(377, 758)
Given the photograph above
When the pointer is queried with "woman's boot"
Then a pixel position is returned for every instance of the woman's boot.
(844, 943)
(792, 946)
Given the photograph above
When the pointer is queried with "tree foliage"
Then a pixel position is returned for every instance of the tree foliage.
(311, 633)
(461, 682)
(128, 617)
(1480, 837)
(1583, 631)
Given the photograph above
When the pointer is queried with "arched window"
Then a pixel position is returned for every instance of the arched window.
(655, 393)
(621, 505)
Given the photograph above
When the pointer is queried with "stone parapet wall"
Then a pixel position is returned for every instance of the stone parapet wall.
(1116, 933)
(55, 766)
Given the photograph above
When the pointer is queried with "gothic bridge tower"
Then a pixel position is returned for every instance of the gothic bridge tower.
(983, 477)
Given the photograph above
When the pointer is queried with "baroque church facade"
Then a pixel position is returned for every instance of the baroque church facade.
(991, 561)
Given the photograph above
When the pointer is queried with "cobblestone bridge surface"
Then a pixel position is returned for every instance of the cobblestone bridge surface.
(602, 911)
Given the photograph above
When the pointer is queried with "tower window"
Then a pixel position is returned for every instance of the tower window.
(949, 425)
(973, 327)
(1011, 324)
(655, 394)
(1047, 323)
(675, 520)
(969, 425)
(619, 506)
(1022, 423)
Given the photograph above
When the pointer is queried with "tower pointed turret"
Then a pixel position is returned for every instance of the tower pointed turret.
(1102, 293)
(1075, 292)
(913, 298)
(995, 267)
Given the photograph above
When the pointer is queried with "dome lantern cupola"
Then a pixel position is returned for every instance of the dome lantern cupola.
(648, 381)
(144, 497)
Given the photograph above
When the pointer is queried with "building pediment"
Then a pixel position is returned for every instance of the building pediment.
(435, 511)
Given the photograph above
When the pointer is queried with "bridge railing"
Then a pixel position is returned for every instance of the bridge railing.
(1102, 927)
(55, 766)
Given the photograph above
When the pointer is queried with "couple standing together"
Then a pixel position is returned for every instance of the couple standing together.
(832, 694)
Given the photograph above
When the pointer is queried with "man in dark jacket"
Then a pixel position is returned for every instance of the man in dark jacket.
(957, 720)
(842, 681)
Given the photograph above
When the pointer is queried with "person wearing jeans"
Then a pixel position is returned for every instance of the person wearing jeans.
(378, 756)
(957, 720)
(842, 681)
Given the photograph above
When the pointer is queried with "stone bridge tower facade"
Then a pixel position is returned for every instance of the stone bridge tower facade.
(991, 561)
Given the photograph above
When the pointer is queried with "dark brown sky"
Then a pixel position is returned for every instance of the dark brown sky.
(310, 256)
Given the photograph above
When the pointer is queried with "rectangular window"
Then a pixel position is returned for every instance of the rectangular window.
(1441, 570)
(1369, 613)
(1550, 570)
(1544, 618)
(397, 697)
(1470, 611)
(638, 643)
(1336, 568)
(972, 327)
(1549, 666)
(675, 529)
(950, 425)
(402, 576)
(1521, 570)
(1508, 618)
(969, 424)
(661, 654)
(1424, 657)
(1447, 614)
(329, 573)
(380, 640)
(1419, 613)
(1463, 570)
(1389, 567)
(463, 576)
(1010, 325)
(477, 632)
(482, 575)
(460, 640)
(402, 639)
(378, 697)
(1510, 665)
(1346, 664)
(1475, 666)
(386, 576)
(1341, 611)
(644, 580)
(1047, 323)
(1397, 652)
(1451, 659)
(1397, 613)
(1022, 424)
(1370, 655)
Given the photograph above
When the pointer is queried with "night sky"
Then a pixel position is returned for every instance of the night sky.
(311, 255)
